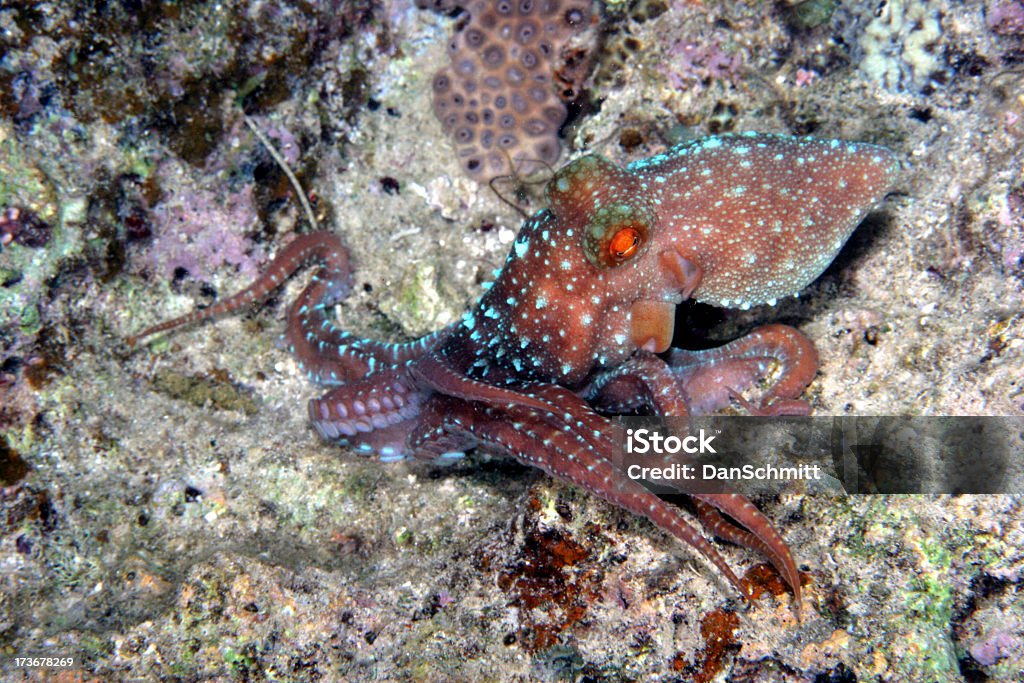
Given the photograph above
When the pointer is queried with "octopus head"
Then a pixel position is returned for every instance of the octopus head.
(609, 215)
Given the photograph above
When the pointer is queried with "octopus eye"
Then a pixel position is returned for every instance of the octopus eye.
(624, 244)
(615, 238)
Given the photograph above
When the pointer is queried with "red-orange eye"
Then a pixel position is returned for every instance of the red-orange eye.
(624, 244)
(616, 234)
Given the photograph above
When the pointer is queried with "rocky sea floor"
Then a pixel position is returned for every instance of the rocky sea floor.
(169, 515)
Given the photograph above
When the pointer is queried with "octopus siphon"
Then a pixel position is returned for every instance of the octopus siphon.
(578, 323)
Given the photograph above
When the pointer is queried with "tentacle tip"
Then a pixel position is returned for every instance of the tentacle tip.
(135, 340)
(798, 600)
(746, 591)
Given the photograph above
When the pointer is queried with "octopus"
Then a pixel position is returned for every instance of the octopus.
(578, 323)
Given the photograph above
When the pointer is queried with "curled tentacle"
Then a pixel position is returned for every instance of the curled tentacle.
(433, 437)
(330, 355)
(711, 377)
(323, 246)
(327, 354)
(644, 381)
(388, 444)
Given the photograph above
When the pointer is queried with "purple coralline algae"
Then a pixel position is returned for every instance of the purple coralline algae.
(199, 230)
(1005, 17)
(695, 63)
(997, 647)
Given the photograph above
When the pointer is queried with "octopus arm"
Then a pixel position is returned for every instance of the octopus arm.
(561, 451)
(713, 377)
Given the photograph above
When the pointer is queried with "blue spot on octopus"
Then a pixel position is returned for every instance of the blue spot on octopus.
(579, 320)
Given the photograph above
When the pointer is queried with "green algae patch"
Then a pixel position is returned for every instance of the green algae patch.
(204, 392)
(361, 484)
(423, 303)
(312, 505)
(807, 14)
(24, 269)
(22, 182)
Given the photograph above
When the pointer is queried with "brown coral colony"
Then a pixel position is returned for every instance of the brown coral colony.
(512, 64)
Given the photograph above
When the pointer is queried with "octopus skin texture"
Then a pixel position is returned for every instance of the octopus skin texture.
(578, 322)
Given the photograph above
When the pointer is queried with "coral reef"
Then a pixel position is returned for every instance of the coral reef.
(514, 66)
(899, 44)
(169, 514)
